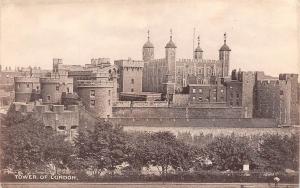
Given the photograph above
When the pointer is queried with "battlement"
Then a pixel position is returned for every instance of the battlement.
(198, 61)
(38, 108)
(94, 83)
(26, 79)
(141, 104)
(288, 76)
(270, 82)
(56, 80)
(129, 63)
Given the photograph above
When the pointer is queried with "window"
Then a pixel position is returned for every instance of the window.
(74, 127)
(92, 93)
(109, 102)
(108, 92)
(48, 97)
(200, 90)
(27, 85)
(231, 103)
(48, 127)
(194, 90)
(237, 103)
(37, 87)
(208, 71)
(93, 102)
(281, 92)
(57, 88)
(132, 90)
(68, 90)
(132, 81)
(231, 95)
(237, 95)
(62, 128)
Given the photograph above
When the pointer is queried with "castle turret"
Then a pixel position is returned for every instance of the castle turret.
(27, 89)
(224, 53)
(148, 50)
(198, 51)
(170, 57)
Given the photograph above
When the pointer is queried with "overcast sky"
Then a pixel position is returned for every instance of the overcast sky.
(263, 34)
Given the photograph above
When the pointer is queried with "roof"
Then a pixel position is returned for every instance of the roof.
(148, 44)
(198, 49)
(170, 44)
(225, 48)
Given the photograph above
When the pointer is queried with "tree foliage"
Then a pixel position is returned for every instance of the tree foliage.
(280, 152)
(26, 145)
(100, 149)
(230, 152)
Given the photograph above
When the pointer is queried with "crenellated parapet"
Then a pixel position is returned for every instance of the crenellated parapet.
(65, 120)
(129, 63)
(56, 80)
(95, 83)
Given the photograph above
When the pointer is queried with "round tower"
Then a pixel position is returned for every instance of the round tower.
(52, 88)
(224, 54)
(26, 89)
(97, 96)
(198, 51)
(170, 57)
(148, 50)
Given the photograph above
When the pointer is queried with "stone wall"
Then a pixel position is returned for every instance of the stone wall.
(195, 122)
(56, 117)
(178, 112)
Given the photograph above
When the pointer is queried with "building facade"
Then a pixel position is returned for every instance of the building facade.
(130, 75)
(182, 71)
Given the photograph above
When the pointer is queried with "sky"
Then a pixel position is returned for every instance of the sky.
(262, 34)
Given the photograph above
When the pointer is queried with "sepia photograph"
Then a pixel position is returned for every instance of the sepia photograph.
(149, 93)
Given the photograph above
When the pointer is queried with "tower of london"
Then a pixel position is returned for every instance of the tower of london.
(157, 92)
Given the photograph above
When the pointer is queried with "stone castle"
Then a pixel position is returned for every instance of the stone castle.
(162, 92)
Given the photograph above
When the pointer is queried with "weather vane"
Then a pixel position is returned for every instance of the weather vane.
(148, 34)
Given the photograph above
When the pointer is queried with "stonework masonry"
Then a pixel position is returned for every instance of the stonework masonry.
(130, 75)
(56, 117)
(168, 87)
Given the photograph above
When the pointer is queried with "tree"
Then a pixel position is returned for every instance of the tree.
(137, 149)
(166, 151)
(230, 152)
(100, 149)
(27, 146)
(280, 152)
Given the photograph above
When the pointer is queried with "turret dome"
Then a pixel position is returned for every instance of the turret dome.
(148, 44)
(225, 47)
(170, 44)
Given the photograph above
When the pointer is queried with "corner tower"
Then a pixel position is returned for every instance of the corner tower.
(224, 54)
(198, 53)
(148, 50)
(170, 57)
